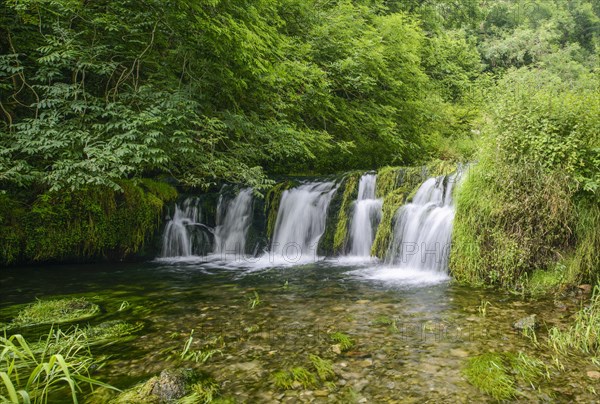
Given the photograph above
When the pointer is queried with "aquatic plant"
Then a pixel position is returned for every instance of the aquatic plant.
(254, 301)
(383, 320)
(200, 355)
(55, 312)
(497, 374)
(203, 392)
(32, 372)
(343, 340)
(111, 332)
(297, 376)
(483, 306)
(323, 367)
(488, 373)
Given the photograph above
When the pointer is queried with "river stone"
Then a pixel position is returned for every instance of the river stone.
(171, 385)
(526, 323)
(593, 374)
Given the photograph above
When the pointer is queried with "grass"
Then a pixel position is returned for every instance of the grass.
(584, 334)
(110, 332)
(200, 355)
(254, 301)
(297, 376)
(30, 373)
(343, 340)
(55, 312)
(489, 374)
(323, 367)
(499, 374)
(483, 306)
(494, 242)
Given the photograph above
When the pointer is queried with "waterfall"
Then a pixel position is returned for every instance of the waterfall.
(184, 234)
(233, 221)
(366, 217)
(423, 228)
(301, 220)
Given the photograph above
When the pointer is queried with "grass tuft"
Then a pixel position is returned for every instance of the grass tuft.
(55, 312)
(344, 340)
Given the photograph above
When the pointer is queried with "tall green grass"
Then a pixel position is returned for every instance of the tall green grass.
(584, 334)
(32, 373)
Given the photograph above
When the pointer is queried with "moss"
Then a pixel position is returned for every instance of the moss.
(198, 388)
(387, 180)
(95, 223)
(391, 203)
(55, 312)
(350, 193)
(12, 234)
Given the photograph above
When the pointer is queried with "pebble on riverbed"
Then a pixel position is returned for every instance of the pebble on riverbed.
(526, 323)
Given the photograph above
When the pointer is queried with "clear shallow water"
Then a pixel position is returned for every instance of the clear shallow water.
(437, 325)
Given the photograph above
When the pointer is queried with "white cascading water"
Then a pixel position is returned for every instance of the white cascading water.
(423, 228)
(301, 220)
(365, 218)
(233, 221)
(180, 236)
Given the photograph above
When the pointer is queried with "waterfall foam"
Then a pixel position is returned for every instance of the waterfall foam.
(184, 234)
(301, 221)
(233, 221)
(423, 228)
(366, 217)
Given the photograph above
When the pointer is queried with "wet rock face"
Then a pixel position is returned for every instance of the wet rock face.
(171, 385)
(526, 323)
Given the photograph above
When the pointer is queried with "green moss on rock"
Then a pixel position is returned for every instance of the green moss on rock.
(349, 195)
(272, 201)
(97, 223)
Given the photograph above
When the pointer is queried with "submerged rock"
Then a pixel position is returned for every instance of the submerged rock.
(171, 385)
(526, 323)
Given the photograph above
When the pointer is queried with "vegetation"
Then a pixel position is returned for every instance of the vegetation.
(55, 312)
(33, 373)
(297, 376)
(341, 339)
(497, 374)
(584, 334)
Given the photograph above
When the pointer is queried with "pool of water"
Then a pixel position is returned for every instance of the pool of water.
(413, 331)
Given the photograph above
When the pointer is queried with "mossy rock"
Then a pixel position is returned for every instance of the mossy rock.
(272, 201)
(349, 195)
(334, 237)
(55, 312)
(172, 386)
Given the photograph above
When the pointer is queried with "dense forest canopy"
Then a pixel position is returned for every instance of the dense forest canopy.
(215, 90)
